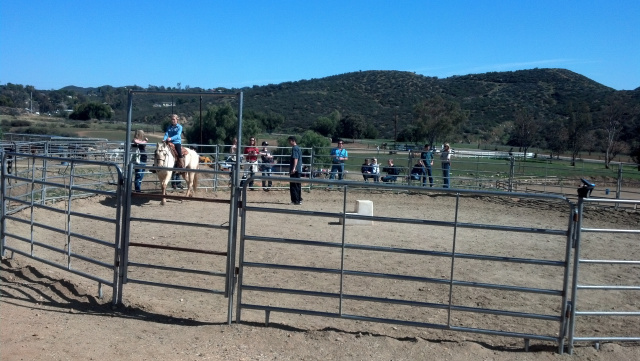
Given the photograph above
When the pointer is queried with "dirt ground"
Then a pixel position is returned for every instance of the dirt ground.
(49, 314)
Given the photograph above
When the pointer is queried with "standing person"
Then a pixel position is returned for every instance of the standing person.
(338, 156)
(445, 159)
(251, 153)
(230, 160)
(174, 135)
(234, 148)
(267, 166)
(140, 143)
(427, 160)
(295, 166)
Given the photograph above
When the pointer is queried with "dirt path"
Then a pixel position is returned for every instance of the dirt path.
(48, 314)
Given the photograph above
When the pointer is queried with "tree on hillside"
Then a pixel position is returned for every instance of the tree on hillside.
(370, 132)
(615, 114)
(578, 126)
(320, 145)
(271, 121)
(635, 155)
(525, 130)
(219, 126)
(91, 110)
(436, 118)
(352, 126)
(250, 128)
(327, 125)
(557, 136)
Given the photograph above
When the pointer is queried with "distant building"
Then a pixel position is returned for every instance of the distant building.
(163, 105)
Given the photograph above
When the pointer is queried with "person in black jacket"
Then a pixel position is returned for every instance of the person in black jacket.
(392, 172)
(366, 170)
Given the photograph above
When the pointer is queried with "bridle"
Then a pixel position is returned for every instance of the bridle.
(161, 155)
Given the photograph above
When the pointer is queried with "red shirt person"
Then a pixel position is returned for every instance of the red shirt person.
(251, 154)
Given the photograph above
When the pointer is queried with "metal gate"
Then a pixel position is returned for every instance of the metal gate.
(621, 294)
(205, 248)
(40, 221)
(330, 285)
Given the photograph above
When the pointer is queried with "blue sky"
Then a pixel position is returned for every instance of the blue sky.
(207, 43)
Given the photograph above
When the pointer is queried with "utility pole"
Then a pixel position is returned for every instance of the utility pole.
(395, 137)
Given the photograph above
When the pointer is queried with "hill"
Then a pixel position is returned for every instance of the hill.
(380, 97)
(490, 99)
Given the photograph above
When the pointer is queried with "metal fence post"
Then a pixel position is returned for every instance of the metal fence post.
(576, 262)
(619, 183)
(512, 165)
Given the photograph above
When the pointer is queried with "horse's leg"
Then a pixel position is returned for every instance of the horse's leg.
(164, 184)
(191, 162)
(188, 177)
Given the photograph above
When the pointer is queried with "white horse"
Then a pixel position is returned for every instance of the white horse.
(163, 157)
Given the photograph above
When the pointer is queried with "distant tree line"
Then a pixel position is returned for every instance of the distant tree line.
(552, 109)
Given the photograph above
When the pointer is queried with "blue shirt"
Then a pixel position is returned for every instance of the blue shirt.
(296, 153)
(427, 156)
(175, 133)
(338, 153)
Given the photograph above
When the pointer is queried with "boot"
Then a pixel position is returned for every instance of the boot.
(179, 165)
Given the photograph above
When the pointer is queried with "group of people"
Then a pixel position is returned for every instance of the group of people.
(370, 168)
(422, 170)
(251, 154)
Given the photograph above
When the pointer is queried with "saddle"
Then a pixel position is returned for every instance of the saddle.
(173, 150)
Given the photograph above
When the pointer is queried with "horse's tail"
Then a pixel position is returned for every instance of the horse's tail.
(195, 175)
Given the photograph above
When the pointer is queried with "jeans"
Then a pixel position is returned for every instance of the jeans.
(337, 168)
(267, 172)
(138, 178)
(253, 167)
(424, 178)
(176, 182)
(446, 167)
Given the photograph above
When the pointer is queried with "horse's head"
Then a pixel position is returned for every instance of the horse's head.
(162, 156)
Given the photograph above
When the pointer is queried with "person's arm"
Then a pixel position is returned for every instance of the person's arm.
(346, 155)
